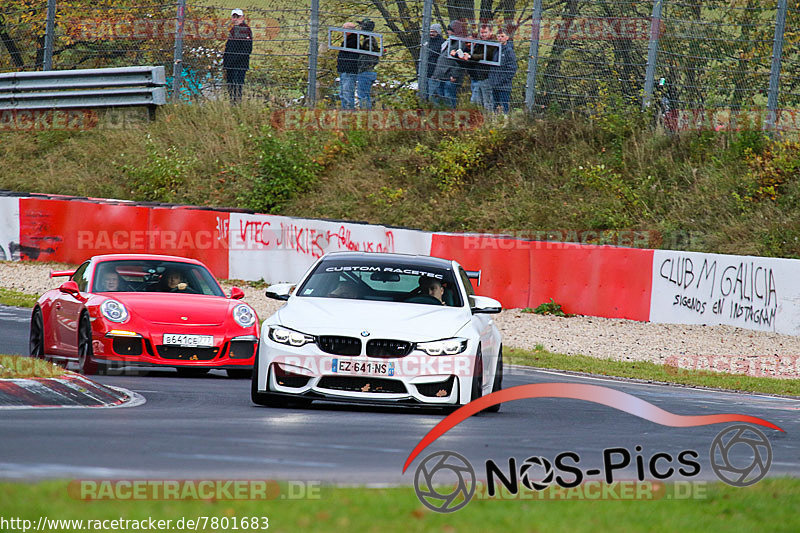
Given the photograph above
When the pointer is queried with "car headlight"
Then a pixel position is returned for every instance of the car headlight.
(289, 336)
(244, 315)
(443, 347)
(114, 311)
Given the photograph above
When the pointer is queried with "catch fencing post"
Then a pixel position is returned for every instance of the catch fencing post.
(177, 62)
(424, 39)
(313, 53)
(652, 54)
(49, 35)
(775, 70)
(533, 55)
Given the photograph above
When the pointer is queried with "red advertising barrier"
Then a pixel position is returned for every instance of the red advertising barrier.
(589, 280)
(196, 233)
(506, 267)
(593, 280)
(71, 231)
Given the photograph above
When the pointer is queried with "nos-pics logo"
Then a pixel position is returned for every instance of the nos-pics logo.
(445, 481)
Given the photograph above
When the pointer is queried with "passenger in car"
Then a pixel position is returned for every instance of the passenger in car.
(109, 282)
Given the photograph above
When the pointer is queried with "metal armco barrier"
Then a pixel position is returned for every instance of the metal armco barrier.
(86, 88)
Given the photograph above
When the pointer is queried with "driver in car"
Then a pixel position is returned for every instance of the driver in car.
(175, 282)
(432, 287)
(345, 289)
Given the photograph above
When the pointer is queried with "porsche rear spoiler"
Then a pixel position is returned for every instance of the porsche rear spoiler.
(61, 273)
(474, 274)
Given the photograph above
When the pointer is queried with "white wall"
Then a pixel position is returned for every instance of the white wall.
(750, 292)
(280, 249)
(9, 226)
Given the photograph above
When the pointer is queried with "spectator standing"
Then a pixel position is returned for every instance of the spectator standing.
(479, 72)
(435, 42)
(347, 67)
(502, 76)
(236, 58)
(449, 71)
(366, 66)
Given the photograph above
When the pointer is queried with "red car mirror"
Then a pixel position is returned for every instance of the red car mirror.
(237, 293)
(70, 287)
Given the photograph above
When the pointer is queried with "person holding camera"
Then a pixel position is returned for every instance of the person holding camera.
(366, 65)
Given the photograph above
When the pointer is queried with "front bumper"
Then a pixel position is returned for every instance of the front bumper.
(147, 350)
(415, 379)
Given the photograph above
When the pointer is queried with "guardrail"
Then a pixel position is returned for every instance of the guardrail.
(84, 88)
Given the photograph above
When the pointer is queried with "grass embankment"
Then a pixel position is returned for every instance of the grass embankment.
(16, 298)
(769, 504)
(541, 358)
(16, 367)
(714, 192)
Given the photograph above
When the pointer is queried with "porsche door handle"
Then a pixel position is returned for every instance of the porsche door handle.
(57, 306)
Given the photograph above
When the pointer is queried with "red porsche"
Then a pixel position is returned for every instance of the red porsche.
(145, 310)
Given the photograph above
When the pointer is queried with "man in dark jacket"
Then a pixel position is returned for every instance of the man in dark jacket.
(479, 72)
(502, 76)
(236, 59)
(347, 67)
(449, 72)
(435, 42)
(366, 66)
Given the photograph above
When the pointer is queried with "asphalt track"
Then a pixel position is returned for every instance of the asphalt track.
(192, 428)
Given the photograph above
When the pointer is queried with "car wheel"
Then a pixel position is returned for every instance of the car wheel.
(86, 365)
(498, 380)
(36, 338)
(191, 372)
(239, 373)
(477, 377)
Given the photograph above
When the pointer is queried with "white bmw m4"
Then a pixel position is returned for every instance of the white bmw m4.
(379, 328)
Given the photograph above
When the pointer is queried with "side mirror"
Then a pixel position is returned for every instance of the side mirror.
(483, 304)
(280, 291)
(71, 288)
(237, 293)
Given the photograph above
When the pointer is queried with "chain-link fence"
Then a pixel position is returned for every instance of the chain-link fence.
(561, 55)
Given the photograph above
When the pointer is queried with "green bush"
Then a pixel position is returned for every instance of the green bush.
(162, 177)
(284, 169)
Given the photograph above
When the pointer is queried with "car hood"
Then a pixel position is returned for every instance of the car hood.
(332, 316)
(170, 308)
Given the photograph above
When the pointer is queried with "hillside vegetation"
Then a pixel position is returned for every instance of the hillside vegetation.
(601, 174)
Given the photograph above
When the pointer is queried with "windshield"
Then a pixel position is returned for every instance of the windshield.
(377, 280)
(154, 276)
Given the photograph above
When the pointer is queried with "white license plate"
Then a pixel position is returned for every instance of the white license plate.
(188, 341)
(362, 368)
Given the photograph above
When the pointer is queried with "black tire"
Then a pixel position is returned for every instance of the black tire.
(477, 377)
(188, 372)
(86, 364)
(36, 337)
(498, 380)
(239, 373)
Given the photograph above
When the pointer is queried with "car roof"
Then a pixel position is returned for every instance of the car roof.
(143, 257)
(403, 260)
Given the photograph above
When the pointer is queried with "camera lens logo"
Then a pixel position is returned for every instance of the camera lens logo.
(444, 482)
(541, 463)
(731, 460)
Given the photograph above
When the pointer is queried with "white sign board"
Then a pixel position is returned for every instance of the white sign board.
(757, 293)
(280, 249)
(9, 227)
